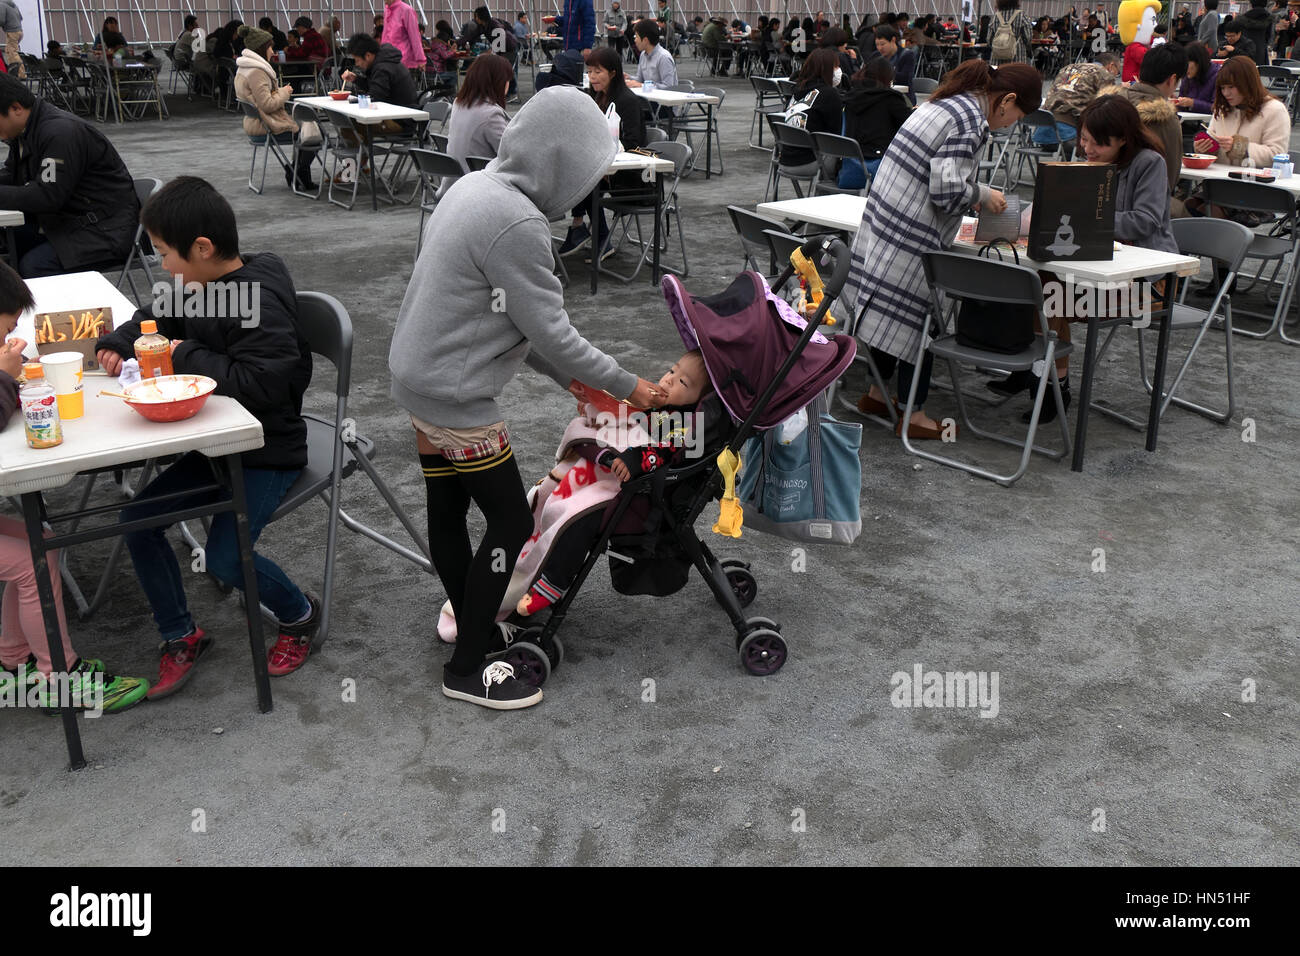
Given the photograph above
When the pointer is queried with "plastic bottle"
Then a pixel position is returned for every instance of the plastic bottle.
(40, 409)
(153, 351)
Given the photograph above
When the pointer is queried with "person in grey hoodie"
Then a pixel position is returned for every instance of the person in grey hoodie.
(480, 303)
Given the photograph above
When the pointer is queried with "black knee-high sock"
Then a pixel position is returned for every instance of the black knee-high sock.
(448, 504)
(498, 491)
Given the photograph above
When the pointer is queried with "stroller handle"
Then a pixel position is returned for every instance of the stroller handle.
(820, 249)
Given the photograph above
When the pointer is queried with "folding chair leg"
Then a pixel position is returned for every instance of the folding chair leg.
(1170, 395)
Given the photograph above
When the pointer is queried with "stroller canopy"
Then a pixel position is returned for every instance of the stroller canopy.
(745, 334)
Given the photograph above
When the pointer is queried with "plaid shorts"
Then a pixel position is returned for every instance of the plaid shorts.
(477, 445)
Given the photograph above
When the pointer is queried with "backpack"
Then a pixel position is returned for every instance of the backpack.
(1004, 39)
(511, 41)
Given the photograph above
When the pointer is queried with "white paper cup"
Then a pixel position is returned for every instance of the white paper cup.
(63, 371)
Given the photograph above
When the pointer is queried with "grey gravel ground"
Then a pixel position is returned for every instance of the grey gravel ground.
(1120, 693)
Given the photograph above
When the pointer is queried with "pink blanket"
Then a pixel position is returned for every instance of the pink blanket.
(571, 490)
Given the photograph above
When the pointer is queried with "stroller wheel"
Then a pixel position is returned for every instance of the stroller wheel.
(553, 649)
(763, 652)
(743, 583)
(753, 624)
(530, 662)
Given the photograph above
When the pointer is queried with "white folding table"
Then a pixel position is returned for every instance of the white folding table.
(367, 118)
(1130, 263)
(676, 98)
(650, 167)
(110, 436)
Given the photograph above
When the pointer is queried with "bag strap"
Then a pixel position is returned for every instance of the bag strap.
(1000, 239)
(816, 409)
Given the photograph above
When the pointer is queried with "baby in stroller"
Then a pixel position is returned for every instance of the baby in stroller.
(599, 452)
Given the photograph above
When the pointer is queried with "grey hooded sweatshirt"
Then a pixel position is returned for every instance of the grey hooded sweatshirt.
(483, 299)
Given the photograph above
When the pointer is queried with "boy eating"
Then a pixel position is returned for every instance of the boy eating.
(263, 362)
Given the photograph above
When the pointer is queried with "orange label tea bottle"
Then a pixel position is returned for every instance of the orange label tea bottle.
(153, 351)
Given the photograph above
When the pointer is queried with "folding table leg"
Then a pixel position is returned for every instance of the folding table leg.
(49, 613)
(1085, 394)
(1162, 356)
(251, 603)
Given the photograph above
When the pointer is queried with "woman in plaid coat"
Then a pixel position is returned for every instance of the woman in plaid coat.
(926, 182)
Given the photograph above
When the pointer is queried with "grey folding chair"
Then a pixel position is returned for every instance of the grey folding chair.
(704, 122)
(266, 145)
(767, 100)
(833, 146)
(653, 134)
(921, 87)
(475, 163)
(432, 167)
(335, 450)
(1027, 151)
(629, 213)
(955, 277)
(791, 137)
(141, 250)
(1280, 206)
(1227, 243)
(751, 227)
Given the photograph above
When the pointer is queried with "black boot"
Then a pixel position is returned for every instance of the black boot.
(1048, 413)
(1013, 384)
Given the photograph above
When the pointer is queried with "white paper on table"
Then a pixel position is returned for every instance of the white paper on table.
(130, 373)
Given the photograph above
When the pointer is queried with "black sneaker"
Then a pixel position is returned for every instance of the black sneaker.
(1048, 414)
(1013, 384)
(493, 685)
(574, 240)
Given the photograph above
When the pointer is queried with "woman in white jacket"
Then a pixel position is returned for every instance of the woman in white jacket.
(1249, 123)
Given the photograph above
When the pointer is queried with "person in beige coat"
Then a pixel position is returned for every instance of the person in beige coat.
(255, 83)
(1248, 121)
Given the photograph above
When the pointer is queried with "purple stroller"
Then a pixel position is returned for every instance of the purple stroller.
(765, 364)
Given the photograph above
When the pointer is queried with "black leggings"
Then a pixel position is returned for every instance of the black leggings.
(571, 549)
(475, 582)
(886, 363)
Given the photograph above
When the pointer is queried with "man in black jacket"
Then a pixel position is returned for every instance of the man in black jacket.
(69, 183)
(233, 318)
(1257, 26)
(382, 74)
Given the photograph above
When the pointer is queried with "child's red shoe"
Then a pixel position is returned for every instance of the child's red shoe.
(293, 647)
(177, 664)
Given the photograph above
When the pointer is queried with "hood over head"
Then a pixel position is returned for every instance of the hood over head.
(556, 149)
(388, 54)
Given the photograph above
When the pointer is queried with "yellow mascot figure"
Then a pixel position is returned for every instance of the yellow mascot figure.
(1137, 24)
(1137, 20)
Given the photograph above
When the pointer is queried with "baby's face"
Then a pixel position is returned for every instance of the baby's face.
(684, 382)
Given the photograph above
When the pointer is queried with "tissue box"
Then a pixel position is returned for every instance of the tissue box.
(75, 331)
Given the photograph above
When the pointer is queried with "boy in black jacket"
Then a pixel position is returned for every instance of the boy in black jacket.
(259, 358)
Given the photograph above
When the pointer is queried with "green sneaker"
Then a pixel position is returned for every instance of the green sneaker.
(90, 685)
(17, 681)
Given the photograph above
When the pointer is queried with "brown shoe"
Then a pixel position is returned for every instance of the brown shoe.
(923, 432)
(873, 406)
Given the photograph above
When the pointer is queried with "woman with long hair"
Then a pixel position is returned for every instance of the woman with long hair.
(608, 88)
(926, 182)
(816, 107)
(1111, 131)
(1249, 122)
(1196, 93)
(256, 83)
(478, 114)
